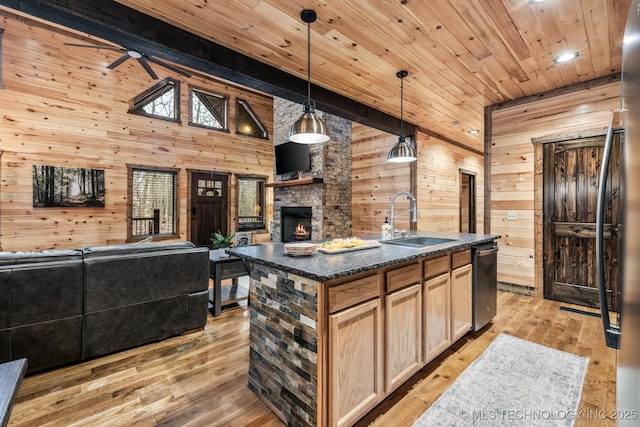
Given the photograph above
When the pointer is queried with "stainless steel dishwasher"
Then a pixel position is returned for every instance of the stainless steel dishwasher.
(485, 292)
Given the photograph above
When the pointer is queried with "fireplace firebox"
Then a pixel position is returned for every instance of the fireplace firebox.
(296, 223)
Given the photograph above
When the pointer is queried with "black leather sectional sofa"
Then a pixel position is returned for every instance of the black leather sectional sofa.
(64, 306)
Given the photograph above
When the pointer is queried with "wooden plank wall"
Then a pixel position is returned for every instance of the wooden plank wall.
(512, 169)
(61, 106)
(374, 180)
(437, 182)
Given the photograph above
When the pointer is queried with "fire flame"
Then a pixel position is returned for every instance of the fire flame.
(300, 229)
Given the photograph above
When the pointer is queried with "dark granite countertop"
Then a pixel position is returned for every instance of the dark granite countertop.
(323, 267)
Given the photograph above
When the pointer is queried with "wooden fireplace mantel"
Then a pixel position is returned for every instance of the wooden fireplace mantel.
(292, 182)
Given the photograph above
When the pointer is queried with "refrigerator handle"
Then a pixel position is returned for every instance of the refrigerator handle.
(611, 331)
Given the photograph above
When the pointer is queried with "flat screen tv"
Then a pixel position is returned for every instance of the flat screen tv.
(292, 157)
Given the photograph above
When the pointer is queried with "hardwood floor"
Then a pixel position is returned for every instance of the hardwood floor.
(200, 379)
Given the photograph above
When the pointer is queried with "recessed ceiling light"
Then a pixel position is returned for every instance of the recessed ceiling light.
(474, 131)
(535, 1)
(565, 57)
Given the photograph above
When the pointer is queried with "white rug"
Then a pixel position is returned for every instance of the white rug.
(514, 382)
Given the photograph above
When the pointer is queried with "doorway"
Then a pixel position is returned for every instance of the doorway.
(467, 202)
(571, 171)
(209, 206)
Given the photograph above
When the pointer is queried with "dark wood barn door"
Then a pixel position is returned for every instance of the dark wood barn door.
(209, 206)
(571, 174)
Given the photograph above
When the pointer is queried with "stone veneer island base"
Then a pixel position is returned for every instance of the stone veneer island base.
(331, 335)
(283, 358)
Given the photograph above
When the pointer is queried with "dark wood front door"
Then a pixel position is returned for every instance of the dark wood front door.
(571, 174)
(209, 206)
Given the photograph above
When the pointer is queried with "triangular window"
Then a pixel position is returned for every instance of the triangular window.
(209, 109)
(160, 101)
(247, 123)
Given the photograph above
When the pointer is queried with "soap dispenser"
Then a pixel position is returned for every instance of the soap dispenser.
(386, 229)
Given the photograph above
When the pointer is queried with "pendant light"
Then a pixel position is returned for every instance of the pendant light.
(402, 151)
(308, 129)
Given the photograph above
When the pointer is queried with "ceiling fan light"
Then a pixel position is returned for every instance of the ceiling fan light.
(308, 129)
(401, 152)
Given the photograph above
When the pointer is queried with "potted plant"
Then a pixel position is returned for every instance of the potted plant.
(220, 242)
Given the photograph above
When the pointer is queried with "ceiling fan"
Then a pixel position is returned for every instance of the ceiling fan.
(142, 58)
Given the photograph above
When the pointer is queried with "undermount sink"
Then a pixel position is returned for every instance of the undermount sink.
(417, 241)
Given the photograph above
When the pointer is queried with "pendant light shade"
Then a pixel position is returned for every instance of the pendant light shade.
(402, 151)
(308, 129)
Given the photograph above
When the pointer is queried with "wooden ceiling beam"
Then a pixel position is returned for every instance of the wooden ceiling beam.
(129, 28)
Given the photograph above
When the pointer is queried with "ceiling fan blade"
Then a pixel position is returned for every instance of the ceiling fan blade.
(169, 66)
(95, 47)
(118, 61)
(146, 66)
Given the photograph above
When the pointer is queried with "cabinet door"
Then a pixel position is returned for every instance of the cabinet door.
(460, 301)
(403, 316)
(355, 362)
(437, 314)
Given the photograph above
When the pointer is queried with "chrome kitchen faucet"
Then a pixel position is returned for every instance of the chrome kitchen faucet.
(414, 208)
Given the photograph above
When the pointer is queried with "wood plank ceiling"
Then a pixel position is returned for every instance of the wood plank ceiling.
(462, 55)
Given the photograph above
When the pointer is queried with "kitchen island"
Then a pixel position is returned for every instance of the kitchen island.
(331, 335)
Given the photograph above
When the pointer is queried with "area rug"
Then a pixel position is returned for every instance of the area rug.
(514, 382)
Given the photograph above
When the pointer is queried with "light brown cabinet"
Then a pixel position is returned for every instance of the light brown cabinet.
(383, 328)
(355, 356)
(403, 349)
(461, 301)
(447, 302)
(437, 316)
(461, 294)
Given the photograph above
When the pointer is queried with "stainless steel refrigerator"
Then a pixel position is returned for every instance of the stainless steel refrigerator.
(624, 332)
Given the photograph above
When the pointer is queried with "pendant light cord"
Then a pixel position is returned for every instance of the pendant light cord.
(401, 75)
(401, 107)
(309, 64)
(308, 16)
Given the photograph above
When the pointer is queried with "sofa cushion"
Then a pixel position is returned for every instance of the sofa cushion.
(129, 249)
(197, 317)
(195, 275)
(111, 281)
(171, 273)
(13, 258)
(111, 330)
(48, 344)
(162, 318)
(5, 298)
(45, 291)
(5, 345)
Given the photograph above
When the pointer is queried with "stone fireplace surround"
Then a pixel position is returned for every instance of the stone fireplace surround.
(330, 199)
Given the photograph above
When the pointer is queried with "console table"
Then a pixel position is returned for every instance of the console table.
(11, 374)
(221, 268)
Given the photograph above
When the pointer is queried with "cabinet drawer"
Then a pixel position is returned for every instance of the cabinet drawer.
(353, 292)
(436, 266)
(460, 258)
(403, 276)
